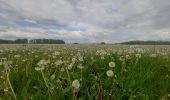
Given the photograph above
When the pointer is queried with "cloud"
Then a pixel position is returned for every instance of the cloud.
(86, 20)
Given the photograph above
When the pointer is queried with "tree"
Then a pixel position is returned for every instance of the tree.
(102, 43)
(46, 41)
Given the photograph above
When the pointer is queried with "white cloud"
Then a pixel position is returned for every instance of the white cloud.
(102, 20)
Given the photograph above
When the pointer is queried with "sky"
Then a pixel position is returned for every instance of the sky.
(85, 21)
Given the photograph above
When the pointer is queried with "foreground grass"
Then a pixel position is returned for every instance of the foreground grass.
(136, 76)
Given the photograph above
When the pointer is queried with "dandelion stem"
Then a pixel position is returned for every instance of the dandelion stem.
(11, 86)
(70, 83)
(45, 82)
(81, 75)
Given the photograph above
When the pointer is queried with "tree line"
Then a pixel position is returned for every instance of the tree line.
(147, 43)
(32, 41)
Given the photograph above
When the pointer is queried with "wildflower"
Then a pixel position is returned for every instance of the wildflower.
(80, 66)
(115, 76)
(5, 90)
(41, 65)
(153, 55)
(109, 73)
(17, 56)
(39, 68)
(138, 55)
(42, 62)
(47, 62)
(127, 57)
(73, 59)
(52, 76)
(122, 58)
(80, 58)
(62, 70)
(70, 66)
(76, 85)
(56, 53)
(58, 62)
(4, 58)
(112, 64)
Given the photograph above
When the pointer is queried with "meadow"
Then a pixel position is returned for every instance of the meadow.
(84, 72)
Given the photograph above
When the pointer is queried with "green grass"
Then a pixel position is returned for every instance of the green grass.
(145, 78)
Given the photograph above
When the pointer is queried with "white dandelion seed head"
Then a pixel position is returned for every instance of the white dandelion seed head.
(109, 73)
(80, 58)
(153, 55)
(112, 64)
(70, 66)
(17, 56)
(62, 69)
(52, 77)
(138, 55)
(76, 84)
(80, 66)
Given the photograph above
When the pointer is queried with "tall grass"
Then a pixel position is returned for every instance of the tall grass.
(139, 74)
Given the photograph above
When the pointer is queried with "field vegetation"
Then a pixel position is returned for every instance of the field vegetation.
(84, 72)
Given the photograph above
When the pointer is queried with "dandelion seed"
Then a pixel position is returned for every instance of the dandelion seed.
(39, 68)
(109, 73)
(127, 57)
(56, 53)
(80, 66)
(17, 56)
(42, 62)
(76, 84)
(35, 87)
(81, 59)
(112, 64)
(52, 77)
(138, 55)
(62, 70)
(115, 76)
(4, 58)
(70, 66)
(153, 55)
(122, 59)
(73, 59)
(59, 62)
(5, 90)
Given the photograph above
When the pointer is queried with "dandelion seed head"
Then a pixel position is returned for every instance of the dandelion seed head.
(112, 64)
(76, 84)
(109, 73)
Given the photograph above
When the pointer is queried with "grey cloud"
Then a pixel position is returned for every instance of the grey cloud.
(161, 18)
(104, 20)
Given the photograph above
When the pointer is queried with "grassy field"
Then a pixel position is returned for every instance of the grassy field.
(84, 72)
